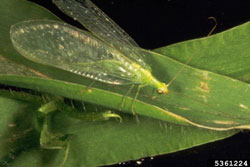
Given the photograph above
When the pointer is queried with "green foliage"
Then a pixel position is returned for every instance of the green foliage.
(38, 126)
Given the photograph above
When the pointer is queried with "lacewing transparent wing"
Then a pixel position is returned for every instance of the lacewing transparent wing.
(103, 27)
(61, 45)
(109, 55)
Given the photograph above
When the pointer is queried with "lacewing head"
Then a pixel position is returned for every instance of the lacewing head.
(163, 89)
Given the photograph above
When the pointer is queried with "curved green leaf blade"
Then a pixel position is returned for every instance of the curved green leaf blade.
(88, 139)
(205, 87)
(17, 129)
(226, 53)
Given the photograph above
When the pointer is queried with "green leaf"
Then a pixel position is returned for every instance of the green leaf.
(17, 129)
(197, 97)
(92, 143)
(226, 53)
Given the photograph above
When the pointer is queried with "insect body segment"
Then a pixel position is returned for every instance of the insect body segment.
(152, 81)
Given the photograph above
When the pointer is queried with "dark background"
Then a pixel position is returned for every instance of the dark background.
(158, 23)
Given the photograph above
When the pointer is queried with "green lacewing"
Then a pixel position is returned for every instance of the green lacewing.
(106, 53)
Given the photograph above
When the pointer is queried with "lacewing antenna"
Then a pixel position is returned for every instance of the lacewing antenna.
(189, 59)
